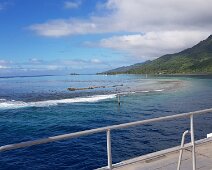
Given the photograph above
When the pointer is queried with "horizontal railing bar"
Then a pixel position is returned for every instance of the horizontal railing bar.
(97, 130)
(136, 123)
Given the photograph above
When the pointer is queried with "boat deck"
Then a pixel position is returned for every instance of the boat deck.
(167, 159)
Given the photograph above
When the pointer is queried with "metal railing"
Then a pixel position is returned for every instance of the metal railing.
(108, 129)
(182, 146)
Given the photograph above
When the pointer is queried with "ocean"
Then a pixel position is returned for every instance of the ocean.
(38, 107)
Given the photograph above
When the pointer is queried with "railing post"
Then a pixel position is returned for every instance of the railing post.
(118, 98)
(193, 141)
(109, 154)
(181, 150)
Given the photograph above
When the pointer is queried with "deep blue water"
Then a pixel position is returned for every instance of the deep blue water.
(38, 107)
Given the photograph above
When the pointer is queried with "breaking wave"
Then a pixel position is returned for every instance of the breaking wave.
(143, 91)
(12, 104)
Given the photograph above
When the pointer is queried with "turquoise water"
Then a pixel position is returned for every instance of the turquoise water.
(37, 107)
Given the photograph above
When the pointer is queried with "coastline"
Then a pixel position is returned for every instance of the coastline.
(177, 74)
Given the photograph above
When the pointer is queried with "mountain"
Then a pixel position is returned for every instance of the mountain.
(194, 60)
(125, 68)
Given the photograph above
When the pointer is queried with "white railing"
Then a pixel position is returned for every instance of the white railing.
(108, 129)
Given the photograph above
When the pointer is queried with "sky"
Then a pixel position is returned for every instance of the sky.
(87, 36)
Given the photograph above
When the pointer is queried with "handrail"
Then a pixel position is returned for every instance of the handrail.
(103, 129)
(181, 151)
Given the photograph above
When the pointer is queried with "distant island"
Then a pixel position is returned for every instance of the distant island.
(195, 60)
(73, 74)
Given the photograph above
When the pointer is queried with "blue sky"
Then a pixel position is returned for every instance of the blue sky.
(88, 36)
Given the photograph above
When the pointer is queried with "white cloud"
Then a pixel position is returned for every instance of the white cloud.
(35, 64)
(135, 16)
(59, 28)
(4, 64)
(152, 27)
(96, 61)
(3, 67)
(35, 61)
(84, 64)
(71, 4)
(153, 44)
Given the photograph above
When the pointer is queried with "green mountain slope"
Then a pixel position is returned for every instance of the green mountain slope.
(125, 68)
(195, 60)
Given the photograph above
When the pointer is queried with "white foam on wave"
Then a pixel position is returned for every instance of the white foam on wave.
(159, 90)
(144, 91)
(5, 104)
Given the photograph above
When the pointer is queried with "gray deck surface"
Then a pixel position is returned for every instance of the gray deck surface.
(167, 160)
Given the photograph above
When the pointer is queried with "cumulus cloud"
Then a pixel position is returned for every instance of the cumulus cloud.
(153, 44)
(71, 4)
(135, 16)
(151, 28)
(59, 28)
